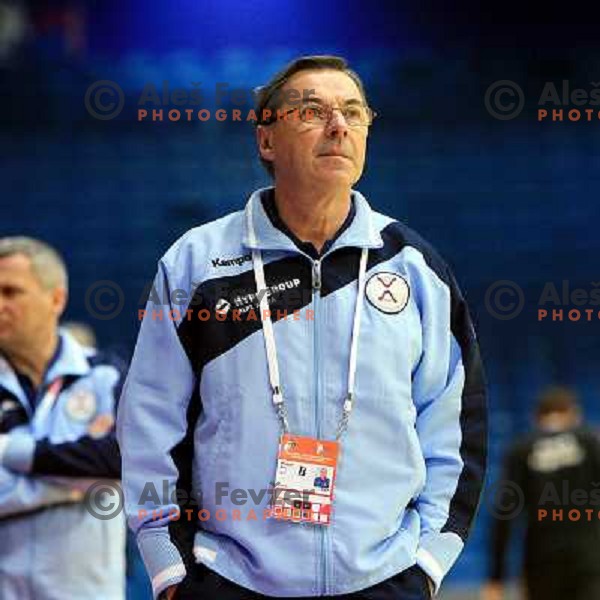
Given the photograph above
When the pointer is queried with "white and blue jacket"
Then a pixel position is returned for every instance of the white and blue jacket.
(196, 407)
(51, 547)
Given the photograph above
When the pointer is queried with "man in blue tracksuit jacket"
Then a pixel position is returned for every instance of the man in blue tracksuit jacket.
(57, 401)
(311, 314)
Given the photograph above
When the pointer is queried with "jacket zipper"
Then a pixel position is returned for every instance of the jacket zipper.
(316, 286)
(321, 530)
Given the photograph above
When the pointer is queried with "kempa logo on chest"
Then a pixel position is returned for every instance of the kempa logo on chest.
(229, 262)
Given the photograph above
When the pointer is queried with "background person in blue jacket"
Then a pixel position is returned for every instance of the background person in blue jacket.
(57, 401)
(381, 364)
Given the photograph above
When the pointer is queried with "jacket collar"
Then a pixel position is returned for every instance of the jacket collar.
(70, 360)
(260, 234)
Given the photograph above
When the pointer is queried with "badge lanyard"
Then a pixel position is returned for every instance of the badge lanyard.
(267, 324)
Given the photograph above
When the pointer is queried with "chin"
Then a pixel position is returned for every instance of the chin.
(337, 176)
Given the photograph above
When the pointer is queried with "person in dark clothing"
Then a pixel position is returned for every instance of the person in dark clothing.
(556, 469)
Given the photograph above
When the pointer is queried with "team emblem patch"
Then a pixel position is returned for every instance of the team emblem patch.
(81, 405)
(388, 292)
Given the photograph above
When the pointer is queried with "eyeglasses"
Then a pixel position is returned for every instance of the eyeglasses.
(318, 115)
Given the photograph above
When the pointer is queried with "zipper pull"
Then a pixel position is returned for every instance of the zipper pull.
(316, 275)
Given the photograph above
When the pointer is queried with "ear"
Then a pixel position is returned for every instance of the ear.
(59, 300)
(264, 139)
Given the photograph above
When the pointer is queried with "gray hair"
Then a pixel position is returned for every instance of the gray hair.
(46, 263)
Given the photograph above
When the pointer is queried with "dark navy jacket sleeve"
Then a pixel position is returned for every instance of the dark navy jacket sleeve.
(85, 457)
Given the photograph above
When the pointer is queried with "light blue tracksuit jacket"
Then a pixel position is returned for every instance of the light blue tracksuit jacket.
(196, 409)
(51, 546)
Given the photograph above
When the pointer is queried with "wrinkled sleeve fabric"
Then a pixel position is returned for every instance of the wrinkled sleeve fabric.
(451, 423)
(20, 494)
(151, 421)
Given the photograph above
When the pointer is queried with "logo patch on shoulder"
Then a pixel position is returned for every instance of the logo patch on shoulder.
(81, 405)
(388, 292)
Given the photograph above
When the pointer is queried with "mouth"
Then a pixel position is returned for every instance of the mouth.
(334, 155)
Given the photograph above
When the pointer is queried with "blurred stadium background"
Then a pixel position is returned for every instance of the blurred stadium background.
(501, 199)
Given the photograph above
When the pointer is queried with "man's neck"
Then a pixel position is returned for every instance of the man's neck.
(315, 216)
(33, 361)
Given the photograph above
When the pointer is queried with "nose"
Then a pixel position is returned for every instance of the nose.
(337, 126)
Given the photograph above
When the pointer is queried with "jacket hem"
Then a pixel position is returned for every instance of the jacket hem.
(348, 586)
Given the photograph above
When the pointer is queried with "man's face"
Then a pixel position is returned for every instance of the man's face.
(323, 473)
(28, 311)
(331, 155)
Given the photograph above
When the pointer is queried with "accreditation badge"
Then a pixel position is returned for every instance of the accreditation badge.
(304, 480)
